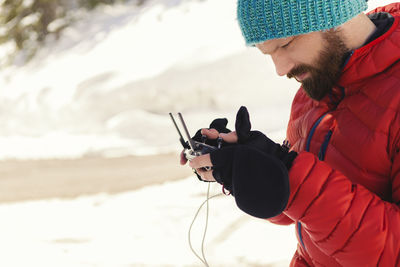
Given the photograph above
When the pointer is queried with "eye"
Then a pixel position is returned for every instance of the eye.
(288, 42)
(286, 45)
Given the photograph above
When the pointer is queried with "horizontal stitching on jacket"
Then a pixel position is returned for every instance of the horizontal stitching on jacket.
(300, 185)
(392, 75)
(362, 122)
(359, 168)
(337, 224)
(393, 87)
(319, 194)
(352, 161)
(316, 263)
(355, 231)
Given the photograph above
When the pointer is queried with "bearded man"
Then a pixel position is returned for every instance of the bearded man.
(337, 178)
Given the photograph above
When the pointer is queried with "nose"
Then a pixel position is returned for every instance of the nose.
(282, 63)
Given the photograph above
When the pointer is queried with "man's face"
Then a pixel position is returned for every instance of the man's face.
(315, 60)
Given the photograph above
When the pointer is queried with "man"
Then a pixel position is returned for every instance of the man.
(339, 179)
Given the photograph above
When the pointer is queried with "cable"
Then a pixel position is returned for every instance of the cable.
(203, 260)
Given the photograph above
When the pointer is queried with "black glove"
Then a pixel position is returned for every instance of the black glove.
(218, 124)
(255, 171)
(259, 141)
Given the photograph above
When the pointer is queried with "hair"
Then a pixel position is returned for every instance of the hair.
(326, 72)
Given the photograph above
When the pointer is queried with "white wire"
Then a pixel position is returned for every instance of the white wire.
(203, 260)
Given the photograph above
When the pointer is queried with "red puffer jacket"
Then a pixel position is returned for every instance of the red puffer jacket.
(346, 205)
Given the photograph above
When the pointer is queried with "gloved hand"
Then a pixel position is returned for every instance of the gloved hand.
(217, 126)
(255, 170)
(259, 140)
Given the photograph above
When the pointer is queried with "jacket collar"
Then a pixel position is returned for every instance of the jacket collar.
(374, 57)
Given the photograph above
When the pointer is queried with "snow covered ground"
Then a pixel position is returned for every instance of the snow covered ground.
(106, 88)
(148, 227)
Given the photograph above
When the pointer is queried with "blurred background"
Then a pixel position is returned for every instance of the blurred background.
(89, 171)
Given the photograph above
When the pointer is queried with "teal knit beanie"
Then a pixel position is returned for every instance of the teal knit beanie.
(261, 20)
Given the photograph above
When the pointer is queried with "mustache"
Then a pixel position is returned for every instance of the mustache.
(300, 69)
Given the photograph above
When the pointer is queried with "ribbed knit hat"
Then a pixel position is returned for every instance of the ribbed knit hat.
(261, 20)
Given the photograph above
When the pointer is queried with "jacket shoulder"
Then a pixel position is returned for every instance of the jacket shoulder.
(393, 9)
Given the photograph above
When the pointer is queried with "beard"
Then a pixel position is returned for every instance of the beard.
(325, 73)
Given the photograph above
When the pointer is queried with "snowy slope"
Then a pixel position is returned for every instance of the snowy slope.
(107, 85)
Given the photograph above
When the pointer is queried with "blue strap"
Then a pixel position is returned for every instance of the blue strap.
(322, 151)
(312, 132)
(300, 236)
(348, 59)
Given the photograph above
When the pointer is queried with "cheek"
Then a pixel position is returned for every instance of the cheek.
(307, 56)
(308, 49)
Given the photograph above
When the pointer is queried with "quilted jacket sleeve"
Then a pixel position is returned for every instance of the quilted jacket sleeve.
(345, 220)
(281, 219)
